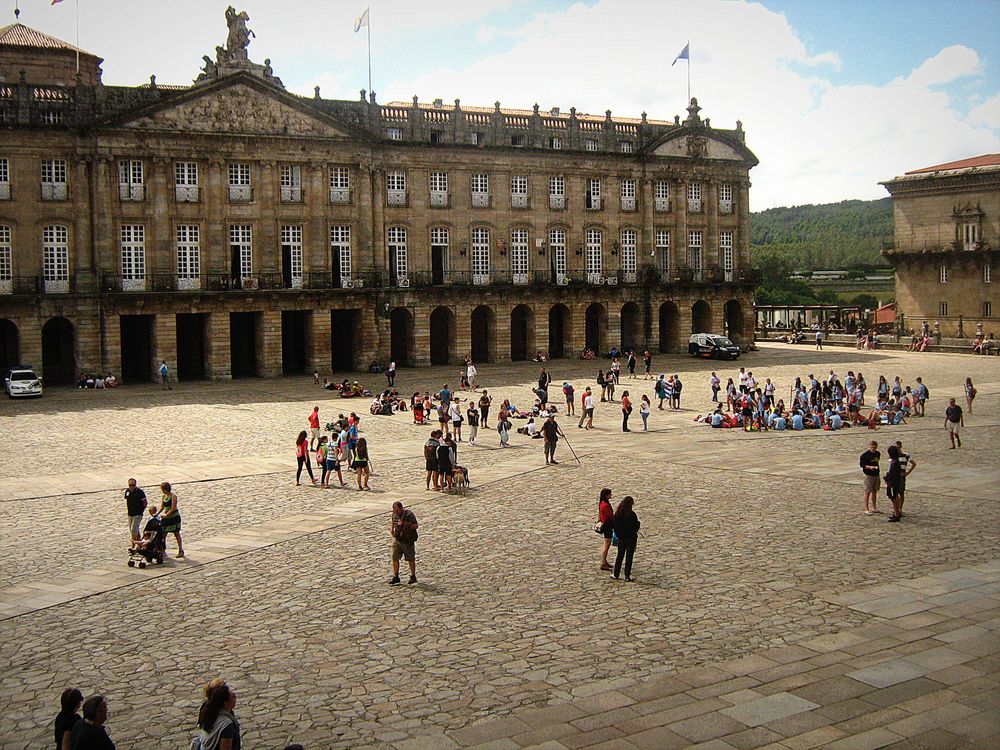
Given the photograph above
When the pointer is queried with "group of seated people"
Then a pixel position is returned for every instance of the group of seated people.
(347, 389)
(919, 342)
(829, 416)
(388, 402)
(867, 339)
(88, 380)
(983, 344)
(588, 354)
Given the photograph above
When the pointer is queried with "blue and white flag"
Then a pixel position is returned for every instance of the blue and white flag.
(682, 56)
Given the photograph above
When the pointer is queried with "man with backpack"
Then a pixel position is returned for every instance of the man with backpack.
(165, 376)
(403, 528)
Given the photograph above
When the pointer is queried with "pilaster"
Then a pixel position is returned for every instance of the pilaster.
(501, 337)
(111, 344)
(165, 344)
(219, 363)
(421, 335)
(318, 341)
(541, 343)
(269, 343)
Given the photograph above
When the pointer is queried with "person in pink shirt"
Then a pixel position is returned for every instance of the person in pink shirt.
(302, 456)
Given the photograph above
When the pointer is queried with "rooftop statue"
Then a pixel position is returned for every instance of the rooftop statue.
(233, 57)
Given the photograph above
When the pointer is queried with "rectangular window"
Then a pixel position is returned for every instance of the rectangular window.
(555, 142)
(625, 147)
(628, 194)
(694, 197)
(241, 245)
(340, 185)
(943, 309)
(943, 274)
(291, 183)
(970, 235)
(694, 250)
(477, 139)
(725, 199)
(557, 246)
(590, 144)
(628, 255)
(661, 195)
(133, 255)
(186, 181)
(557, 192)
(518, 191)
(54, 179)
(480, 191)
(987, 309)
(130, 182)
(188, 256)
(480, 255)
(6, 267)
(398, 261)
(594, 193)
(291, 248)
(517, 140)
(4, 180)
(439, 182)
(726, 246)
(593, 258)
(340, 250)
(55, 257)
(519, 256)
(663, 252)
(394, 134)
(437, 136)
(395, 185)
(52, 117)
(239, 182)
(987, 273)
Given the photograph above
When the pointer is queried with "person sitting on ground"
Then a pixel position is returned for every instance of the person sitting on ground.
(588, 354)
(110, 381)
(539, 357)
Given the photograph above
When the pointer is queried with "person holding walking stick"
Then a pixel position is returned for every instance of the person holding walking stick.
(551, 433)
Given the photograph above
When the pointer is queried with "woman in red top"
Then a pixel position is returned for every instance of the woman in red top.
(626, 411)
(302, 456)
(605, 515)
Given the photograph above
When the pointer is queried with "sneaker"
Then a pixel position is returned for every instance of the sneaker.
(629, 579)
(893, 519)
(553, 461)
(413, 579)
(394, 580)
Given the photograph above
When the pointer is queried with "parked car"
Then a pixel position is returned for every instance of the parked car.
(713, 346)
(22, 382)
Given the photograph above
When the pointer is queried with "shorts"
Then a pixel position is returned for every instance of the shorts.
(133, 525)
(871, 483)
(952, 427)
(431, 465)
(892, 492)
(590, 412)
(332, 465)
(314, 431)
(405, 550)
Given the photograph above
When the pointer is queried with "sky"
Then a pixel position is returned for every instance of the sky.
(834, 95)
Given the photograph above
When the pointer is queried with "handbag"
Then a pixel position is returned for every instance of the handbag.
(614, 539)
(599, 528)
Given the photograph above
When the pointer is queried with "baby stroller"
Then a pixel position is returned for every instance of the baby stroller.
(154, 548)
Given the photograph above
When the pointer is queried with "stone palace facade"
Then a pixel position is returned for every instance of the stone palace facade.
(234, 229)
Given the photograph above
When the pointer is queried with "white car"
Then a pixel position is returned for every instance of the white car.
(22, 382)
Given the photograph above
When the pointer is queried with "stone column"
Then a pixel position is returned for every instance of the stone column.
(376, 196)
(463, 331)
(30, 342)
(269, 343)
(316, 239)
(165, 344)
(684, 321)
(577, 334)
(218, 353)
(421, 335)
(267, 199)
(647, 238)
(368, 339)
(318, 341)
(88, 338)
(160, 236)
(614, 336)
(215, 232)
(653, 339)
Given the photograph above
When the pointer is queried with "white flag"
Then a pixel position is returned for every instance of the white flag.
(361, 20)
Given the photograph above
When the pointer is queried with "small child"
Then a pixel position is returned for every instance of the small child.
(149, 531)
(332, 465)
(321, 451)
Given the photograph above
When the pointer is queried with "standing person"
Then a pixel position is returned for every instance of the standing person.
(731, 397)
(644, 408)
(390, 374)
(333, 459)
(569, 393)
(89, 733)
(361, 463)
(677, 392)
(170, 515)
(472, 414)
(135, 506)
(445, 463)
(551, 433)
(503, 429)
(610, 381)
(302, 458)
(588, 410)
(626, 527)
(953, 420)
(922, 395)
(484, 408)
(403, 528)
(660, 390)
(631, 364)
(893, 482)
(647, 363)
(321, 452)
(165, 376)
(66, 719)
(455, 415)
(313, 428)
(819, 339)
(470, 373)
(869, 468)
(603, 383)
(220, 729)
(430, 459)
(908, 465)
(616, 370)
(605, 517)
(970, 393)
(626, 411)
(715, 385)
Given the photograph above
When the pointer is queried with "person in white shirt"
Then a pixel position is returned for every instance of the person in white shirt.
(455, 416)
(470, 375)
(715, 385)
(588, 410)
(743, 380)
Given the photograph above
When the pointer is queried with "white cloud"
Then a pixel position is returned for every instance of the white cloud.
(947, 65)
(824, 58)
(987, 113)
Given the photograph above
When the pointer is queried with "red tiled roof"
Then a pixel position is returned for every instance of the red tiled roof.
(19, 35)
(986, 160)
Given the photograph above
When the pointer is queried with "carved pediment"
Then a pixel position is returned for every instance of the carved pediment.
(702, 144)
(237, 109)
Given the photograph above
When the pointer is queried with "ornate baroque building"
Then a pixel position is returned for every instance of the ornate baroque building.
(234, 229)
(947, 243)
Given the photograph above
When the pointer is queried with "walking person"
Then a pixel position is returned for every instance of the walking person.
(484, 408)
(647, 363)
(470, 374)
(403, 529)
(170, 516)
(588, 410)
(644, 408)
(165, 376)
(569, 393)
(313, 428)
(819, 340)
(922, 395)
(89, 733)
(715, 384)
(603, 383)
(135, 506)
(302, 457)
(503, 429)
(70, 702)
(361, 463)
(869, 468)
(472, 414)
(908, 465)
(626, 411)
(605, 516)
(610, 381)
(333, 459)
(551, 434)
(626, 527)
(220, 730)
(970, 393)
(390, 374)
(953, 420)
(631, 364)
(893, 482)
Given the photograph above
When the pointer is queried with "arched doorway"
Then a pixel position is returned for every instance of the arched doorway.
(522, 333)
(559, 328)
(630, 322)
(401, 344)
(442, 334)
(670, 328)
(701, 317)
(10, 346)
(58, 355)
(483, 333)
(733, 315)
(596, 326)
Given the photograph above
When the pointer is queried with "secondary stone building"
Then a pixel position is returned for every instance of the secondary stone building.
(234, 229)
(947, 243)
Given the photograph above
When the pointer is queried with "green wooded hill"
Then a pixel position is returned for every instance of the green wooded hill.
(846, 235)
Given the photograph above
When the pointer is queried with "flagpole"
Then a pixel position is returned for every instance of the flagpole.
(688, 47)
(369, 25)
(78, 37)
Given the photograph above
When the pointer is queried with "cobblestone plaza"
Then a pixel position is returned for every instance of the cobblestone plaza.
(769, 611)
